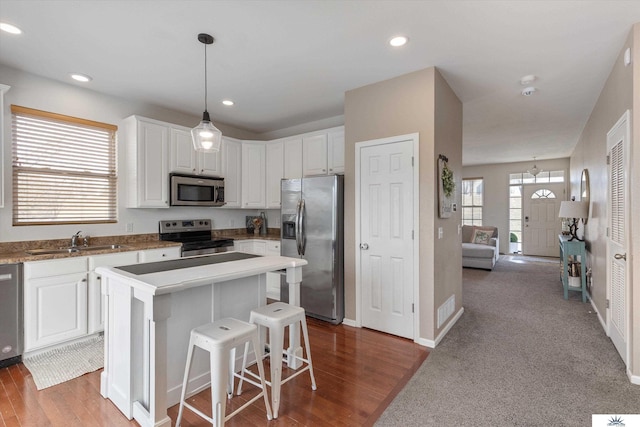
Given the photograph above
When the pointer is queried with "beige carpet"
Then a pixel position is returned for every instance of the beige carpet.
(66, 363)
(520, 355)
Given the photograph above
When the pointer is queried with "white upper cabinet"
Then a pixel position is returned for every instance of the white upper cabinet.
(253, 175)
(314, 155)
(274, 173)
(335, 151)
(185, 159)
(147, 143)
(231, 154)
(292, 148)
(323, 153)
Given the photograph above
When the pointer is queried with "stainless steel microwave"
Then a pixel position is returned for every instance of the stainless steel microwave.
(193, 190)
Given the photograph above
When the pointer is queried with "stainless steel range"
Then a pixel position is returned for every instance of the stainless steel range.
(195, 236)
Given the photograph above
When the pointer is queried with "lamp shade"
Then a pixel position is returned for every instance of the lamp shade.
(206, 137)
(572, 209)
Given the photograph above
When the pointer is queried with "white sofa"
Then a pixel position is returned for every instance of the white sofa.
(484, 252)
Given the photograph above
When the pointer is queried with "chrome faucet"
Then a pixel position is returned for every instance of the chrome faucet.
(74, 239)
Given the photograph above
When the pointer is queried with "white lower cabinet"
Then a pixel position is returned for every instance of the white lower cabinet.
(95, 297)
(153, 255)
(55, 301)
(263, 247)
(63, 298)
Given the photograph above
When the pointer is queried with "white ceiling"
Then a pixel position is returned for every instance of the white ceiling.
(285, 63)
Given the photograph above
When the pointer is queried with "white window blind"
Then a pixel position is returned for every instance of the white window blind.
(64, 169)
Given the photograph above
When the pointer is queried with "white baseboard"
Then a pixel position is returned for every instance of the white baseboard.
(349, 322)
(634, 379)
(602, 321)
(443, 333)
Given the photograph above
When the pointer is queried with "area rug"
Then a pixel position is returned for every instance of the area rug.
(66, 363)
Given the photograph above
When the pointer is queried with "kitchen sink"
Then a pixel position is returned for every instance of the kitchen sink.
(51, 251)
(71, 250)
(100, 247)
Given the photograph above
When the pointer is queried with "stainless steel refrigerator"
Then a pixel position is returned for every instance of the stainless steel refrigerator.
(312, 228)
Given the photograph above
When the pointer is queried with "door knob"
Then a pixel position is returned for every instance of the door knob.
(620, 256)
(364, 246)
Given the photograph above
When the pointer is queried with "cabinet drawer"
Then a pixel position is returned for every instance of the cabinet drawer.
(273, 247)
(54, 267)
(113, 260)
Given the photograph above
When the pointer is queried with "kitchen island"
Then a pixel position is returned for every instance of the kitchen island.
(150, 309)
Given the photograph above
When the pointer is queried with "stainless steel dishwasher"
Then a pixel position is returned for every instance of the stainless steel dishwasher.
(11, 331)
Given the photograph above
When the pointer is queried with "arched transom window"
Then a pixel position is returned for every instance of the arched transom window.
(543, 194)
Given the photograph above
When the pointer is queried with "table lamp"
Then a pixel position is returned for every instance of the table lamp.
(574, 210)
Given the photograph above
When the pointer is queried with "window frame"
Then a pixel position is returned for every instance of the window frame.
(473, 206)
(85, 194)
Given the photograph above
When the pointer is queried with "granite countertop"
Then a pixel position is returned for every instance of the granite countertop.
(241, 234)
(15, 252)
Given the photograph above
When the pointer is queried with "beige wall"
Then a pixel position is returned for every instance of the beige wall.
(620, 93)
(419, 102)
(36, 92)
(495, 204)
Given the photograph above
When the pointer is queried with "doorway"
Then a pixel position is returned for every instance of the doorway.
(540, 205)
(387, 218)
(618, 141)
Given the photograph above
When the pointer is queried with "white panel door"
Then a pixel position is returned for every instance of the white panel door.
(335, 152)
(617, 243)
(541, 204)
(231, 171)
(253, 175)
(274, 173)
(183, 156)
(314, 155)
(292, 158)
(386, 247)
(153, 180)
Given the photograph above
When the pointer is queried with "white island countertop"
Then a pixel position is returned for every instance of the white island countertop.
(170, 276)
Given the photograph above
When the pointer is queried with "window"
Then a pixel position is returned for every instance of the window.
(472, 201)
(543, 194)
(64, 169)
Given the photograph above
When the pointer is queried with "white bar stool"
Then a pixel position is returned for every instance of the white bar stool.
(219, 339)
(276, 317)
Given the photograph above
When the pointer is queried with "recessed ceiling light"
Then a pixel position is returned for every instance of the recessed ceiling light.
(8, 28)
(81, 77)
(528, 79)
(228, 102)
(398, 41)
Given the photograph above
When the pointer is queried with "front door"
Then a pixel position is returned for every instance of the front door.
(386, 245)
(541, 204)
(617, 291)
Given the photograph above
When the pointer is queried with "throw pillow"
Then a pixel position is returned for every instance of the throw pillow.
(481, 236)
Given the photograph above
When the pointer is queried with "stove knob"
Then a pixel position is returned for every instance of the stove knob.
(168, 224)
(174, 223)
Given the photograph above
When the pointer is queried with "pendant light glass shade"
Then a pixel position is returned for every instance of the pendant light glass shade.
(206, 137)
(534, 170)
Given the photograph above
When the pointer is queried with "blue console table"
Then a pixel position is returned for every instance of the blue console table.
(574, 248)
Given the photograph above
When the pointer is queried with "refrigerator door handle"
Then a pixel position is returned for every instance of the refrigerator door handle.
(303, 233)
(297, 226)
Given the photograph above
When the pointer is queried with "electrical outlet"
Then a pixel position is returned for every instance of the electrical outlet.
(440, 232)
(129, 227)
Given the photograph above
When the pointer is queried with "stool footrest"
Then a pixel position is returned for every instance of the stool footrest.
(199, 412)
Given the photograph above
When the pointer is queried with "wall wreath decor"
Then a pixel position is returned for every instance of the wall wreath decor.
(446, 188)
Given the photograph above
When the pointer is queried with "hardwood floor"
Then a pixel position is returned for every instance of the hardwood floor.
(358, 373)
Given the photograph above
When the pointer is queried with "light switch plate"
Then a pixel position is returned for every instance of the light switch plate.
(440, 232)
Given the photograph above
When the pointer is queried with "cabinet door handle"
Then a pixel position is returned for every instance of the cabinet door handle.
(620, 256)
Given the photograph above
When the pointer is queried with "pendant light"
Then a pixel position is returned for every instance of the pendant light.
(206, 137)
(534, 170)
